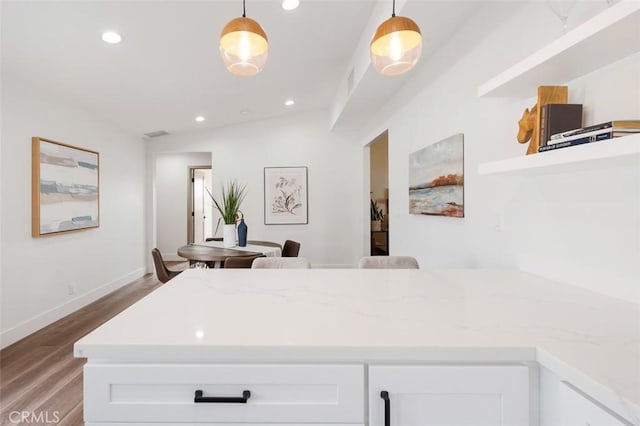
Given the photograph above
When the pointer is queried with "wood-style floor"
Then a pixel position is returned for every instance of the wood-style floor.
(39, 374)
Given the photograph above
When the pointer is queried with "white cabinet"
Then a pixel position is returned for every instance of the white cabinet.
(450, 395)
(216, 424)
(561, 404)
(277, 394)
(578, 410)
(317, 395)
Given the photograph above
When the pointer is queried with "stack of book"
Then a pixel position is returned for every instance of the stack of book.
(598, 132)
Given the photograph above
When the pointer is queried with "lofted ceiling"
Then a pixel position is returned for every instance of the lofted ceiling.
(168, 69)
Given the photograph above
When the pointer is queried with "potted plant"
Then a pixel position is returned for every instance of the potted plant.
(376, 216)
(228, 205)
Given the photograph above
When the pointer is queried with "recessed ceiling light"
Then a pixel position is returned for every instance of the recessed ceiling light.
(289, 102)
(111, 37)
(200, 119)
(244, 111)
(290, 4)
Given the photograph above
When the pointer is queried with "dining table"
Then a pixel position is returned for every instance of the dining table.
(212, 254)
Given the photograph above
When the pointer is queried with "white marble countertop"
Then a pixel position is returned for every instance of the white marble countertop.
(330, 315)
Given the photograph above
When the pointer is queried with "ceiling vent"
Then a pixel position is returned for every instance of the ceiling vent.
(156, 134)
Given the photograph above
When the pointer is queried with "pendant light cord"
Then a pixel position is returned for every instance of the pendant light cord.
(393, 13)
(244, 9)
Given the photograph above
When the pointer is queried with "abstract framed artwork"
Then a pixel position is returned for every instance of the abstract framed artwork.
(436, 178)
(65, 188)
(286, 200)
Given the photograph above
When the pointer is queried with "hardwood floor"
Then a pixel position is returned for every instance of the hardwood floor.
(39, 375)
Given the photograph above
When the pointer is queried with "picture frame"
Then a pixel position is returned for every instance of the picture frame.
(436, 179)
(65, 188)
(286, 198)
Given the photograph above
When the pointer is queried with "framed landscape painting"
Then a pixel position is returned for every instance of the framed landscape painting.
(64, 189)
(436, 178)
(285, 196)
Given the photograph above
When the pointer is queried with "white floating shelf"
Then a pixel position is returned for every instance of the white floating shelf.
(606, 38)
(625, 147)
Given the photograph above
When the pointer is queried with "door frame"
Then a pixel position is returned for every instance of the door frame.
(367, 191)
(190, 201)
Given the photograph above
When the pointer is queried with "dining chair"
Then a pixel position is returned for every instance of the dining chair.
(240, 261)
(164, 274)
(388, 262)
(290, 249)
(281, 263)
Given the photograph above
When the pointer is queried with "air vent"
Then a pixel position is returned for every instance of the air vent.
(350, 81)
(156, 134)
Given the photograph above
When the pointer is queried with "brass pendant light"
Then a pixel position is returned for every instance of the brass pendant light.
(396, 45)
(244, 46)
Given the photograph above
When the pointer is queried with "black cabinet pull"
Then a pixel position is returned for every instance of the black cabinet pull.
(223, 399)
(387, 408)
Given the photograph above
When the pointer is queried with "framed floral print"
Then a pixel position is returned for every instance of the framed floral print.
(285, 196)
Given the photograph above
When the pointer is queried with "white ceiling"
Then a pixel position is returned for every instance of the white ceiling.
(168, 69)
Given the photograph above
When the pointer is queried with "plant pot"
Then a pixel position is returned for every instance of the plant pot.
(229, 235)
(376, 225)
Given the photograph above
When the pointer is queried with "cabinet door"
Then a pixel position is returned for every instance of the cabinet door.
(578, 410)
(221, 424)
(562, 404)
(449, 395)
(223, 393)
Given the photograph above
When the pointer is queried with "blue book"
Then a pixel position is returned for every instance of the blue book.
(578, 141)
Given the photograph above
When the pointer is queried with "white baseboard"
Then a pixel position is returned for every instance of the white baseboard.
(31, 325)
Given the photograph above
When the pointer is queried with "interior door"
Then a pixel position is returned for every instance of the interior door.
(201, 206)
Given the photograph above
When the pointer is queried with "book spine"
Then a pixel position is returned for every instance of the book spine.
(544, 124)
(582, 130)
(580, 136)
(578, 141)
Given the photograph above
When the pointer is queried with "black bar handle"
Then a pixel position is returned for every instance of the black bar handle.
(222, 399)
(387, 408)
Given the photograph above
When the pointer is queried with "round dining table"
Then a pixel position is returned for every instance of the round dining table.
(210, 256)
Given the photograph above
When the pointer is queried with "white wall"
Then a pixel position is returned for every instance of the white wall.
(172, 198)
(332, 237)
(36, 272)
(578, 226)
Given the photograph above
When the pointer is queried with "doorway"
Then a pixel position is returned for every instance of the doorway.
(200, 206)
(379, 194)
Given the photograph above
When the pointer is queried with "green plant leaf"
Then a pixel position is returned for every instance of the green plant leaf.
(231, 198)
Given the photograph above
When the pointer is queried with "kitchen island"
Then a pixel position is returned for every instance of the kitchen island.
(357, 347)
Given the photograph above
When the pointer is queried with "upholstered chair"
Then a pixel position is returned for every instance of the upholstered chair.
(164, 274)
(290, 249)
(388, 262)
(281, 263)
(240, 261)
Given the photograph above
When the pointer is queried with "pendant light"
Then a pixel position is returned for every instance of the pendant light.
(244, 46)
(396, 45)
